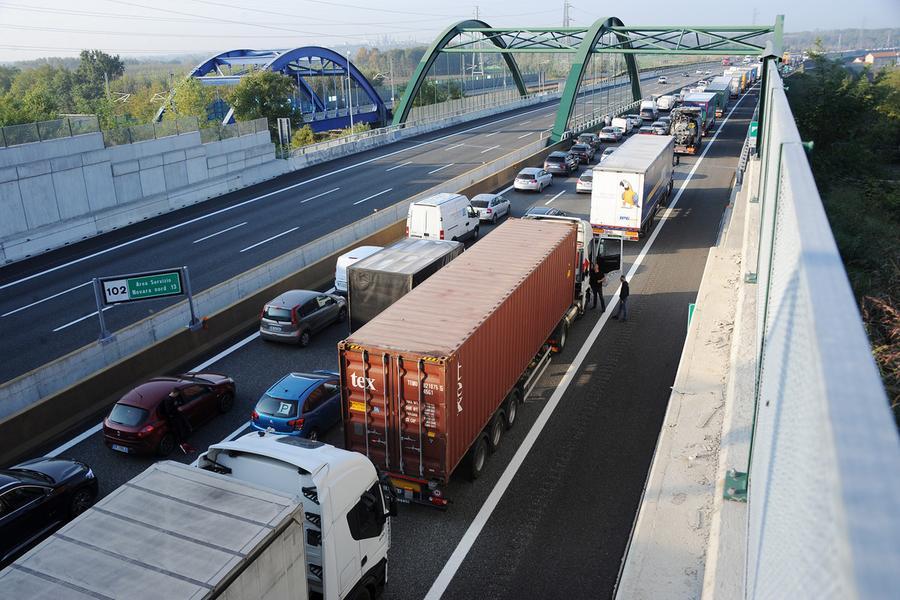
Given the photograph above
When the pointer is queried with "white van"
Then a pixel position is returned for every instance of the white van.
(442, 217)
(648, 111)
(347, 259)
(624, 124)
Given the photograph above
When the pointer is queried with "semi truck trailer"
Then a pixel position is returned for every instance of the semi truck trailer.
(721, 87)
(432, 382)
(631, 185)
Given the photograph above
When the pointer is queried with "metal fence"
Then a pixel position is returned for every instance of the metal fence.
(26, 133)
(825, 458)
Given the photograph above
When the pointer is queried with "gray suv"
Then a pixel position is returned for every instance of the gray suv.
(296, 314)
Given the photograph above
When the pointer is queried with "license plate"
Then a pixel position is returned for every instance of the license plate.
(119, 448)
(408, 486)
(274, 328)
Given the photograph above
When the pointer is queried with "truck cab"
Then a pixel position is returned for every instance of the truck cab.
(346, 528)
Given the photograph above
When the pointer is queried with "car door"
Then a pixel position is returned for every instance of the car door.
(25, 516)
(193, 404)
(331, 403)
(314, 416)
(546, 178)
(328, 310)
(308, 313)
(502, 205)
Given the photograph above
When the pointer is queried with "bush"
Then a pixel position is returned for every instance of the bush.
(303, 137)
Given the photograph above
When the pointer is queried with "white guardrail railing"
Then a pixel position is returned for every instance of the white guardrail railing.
(824, 475)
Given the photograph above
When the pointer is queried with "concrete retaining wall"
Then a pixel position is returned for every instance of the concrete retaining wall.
(59, 192)
(88, 380)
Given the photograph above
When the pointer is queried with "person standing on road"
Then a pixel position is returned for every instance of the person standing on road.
(598, 280)
(623, 300)
(176, 420)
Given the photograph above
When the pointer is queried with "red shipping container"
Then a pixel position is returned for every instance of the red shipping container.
(421, 381)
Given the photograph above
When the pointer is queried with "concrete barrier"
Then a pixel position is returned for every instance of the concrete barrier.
(38, 420)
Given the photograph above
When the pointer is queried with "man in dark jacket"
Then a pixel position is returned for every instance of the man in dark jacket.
(623, 300)
(178, 423)
(598, 278)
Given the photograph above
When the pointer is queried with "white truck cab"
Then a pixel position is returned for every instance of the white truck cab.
(346, 528)
(443, 216)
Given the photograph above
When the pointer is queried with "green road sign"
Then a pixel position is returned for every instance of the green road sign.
(141, 286)
(754, 126)
(690, 314)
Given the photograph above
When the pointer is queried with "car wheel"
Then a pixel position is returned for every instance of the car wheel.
(166, 445)
(477, 458)
(226, 402)
(475, 233)
(313, 434)
(304, 338)
(494, 219)
(81, 501)
(342, 315)
(495, 431)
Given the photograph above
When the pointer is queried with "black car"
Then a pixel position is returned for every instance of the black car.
(583, 152)
(544, 210)
(590, 139)
(560, 163)
(39, 496)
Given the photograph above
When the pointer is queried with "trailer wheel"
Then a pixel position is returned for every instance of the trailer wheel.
(477, 458)
(511, 410)
(562, 334)
(495, 430)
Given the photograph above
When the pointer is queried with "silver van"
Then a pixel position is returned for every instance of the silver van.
(296, 314)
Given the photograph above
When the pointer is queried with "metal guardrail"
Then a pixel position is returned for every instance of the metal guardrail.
(823, 486)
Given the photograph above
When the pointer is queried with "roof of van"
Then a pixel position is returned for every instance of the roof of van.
(407, 256)
(637, 154)
(438, 199)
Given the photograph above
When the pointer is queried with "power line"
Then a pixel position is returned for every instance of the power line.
(176, 35)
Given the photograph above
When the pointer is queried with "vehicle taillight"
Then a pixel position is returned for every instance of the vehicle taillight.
(490, 210)
(294, 316)
(407, 230)
(254, 416)
(146, 431)
(442, 234)
(262, 313)
(296, 424)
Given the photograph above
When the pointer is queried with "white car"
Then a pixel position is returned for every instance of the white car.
(532, 179)
(698, 72)
(490, 207)
(609, 150)
(610, 134)
(707, 72)
(636, 120)
(585, 182)
(662, 80)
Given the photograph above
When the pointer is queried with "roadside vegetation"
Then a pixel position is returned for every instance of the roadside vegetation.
(853, 119)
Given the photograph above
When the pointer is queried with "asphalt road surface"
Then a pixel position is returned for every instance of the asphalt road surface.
(47, 305)
(560, 528)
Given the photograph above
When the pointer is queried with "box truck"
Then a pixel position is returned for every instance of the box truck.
(666, 102)
(706, 102)
(376, 282)
(648, 110)
(631, 185)
(686, 129)
(433, 381)
(721, 87)
(264, 516)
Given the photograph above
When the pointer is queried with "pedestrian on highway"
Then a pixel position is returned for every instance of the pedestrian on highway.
(623, 300)
(598, 280)
(178, 423)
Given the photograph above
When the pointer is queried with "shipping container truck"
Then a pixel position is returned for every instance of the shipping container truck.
(630, 186)
(376, 282)
(735, 87)
(721, 87)
(687, 129)
(264, 516)
(434, 380)
(706, 102)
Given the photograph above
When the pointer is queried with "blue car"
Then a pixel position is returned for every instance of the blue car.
(301, 404)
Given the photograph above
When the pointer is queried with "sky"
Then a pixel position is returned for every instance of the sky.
(39, 28)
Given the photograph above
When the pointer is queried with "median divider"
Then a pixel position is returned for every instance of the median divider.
(45, 403)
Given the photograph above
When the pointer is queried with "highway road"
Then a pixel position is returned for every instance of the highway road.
(558, 524)
(47, 306)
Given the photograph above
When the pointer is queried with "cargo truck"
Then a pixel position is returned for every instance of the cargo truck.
(432, 382)
(264, 516)
(376, 282)
(686, 129)
(630, 186)
(706, 102)
(721, 87)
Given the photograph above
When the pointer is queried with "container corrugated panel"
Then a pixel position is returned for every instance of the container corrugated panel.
(421, 380)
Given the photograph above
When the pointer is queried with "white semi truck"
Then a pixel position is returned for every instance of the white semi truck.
(261, 517)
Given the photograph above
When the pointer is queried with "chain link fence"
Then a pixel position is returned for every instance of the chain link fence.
(825, 458)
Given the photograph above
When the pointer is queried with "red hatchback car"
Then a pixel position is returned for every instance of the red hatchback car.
(136, 424)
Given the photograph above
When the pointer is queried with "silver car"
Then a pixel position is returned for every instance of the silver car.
(295, 315)
(610, 134)
(585, 182)
(490, 207)
(532, 179)
(609, 150)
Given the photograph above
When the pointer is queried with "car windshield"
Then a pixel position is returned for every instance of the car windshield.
(278, 314)
(525, 176)
(556, 159)
(579, 148)
(608, 130)
(480, 203)
(585, 139)
(276, 407)
(124, 414)
(28, 474)
(586, 176)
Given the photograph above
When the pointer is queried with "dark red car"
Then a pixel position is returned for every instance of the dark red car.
(136, 424)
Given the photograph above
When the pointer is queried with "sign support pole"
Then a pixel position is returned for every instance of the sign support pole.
(195, 324)
(105, 336)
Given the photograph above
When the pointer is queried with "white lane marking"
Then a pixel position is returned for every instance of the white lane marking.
(80, 319)
(372, 196)
(506, 189)
(554, 197)
(490, 504)
(441, 168)
(489, 149)
(525, 122)
(525, 135)
(409, 162)
(89, 432)
(274, 237)
(212, 235)
(36, 302)
(263, 196)
(492, 134)
(456, 146)
(320, 195)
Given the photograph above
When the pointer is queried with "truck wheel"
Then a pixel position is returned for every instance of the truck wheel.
(477, 458)
(562, 335)
(511, 410)
(495, 430)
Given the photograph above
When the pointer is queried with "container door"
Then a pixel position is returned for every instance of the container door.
(419, 423)
(367, 389)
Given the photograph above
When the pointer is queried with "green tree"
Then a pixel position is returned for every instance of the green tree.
(94, 68)
(191, 99)
(7, 75)
(263, 94)
(303, 137)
